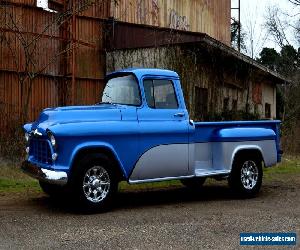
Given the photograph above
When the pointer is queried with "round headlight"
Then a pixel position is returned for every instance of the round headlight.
(52, 140)
(27, 136)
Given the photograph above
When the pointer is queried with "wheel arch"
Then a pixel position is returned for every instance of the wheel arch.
(243, 186)
(247, 150)
(97, 149)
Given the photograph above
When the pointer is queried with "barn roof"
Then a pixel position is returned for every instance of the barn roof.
(145, 36)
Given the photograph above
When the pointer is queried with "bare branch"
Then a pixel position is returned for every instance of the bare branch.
(65, 16)
(55, 57)
(276, 27)
(13, 52)
(295, 2)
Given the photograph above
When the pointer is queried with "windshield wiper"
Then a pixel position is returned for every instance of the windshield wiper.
(110, 103)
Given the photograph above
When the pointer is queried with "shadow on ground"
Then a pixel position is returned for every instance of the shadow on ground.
(146, 198)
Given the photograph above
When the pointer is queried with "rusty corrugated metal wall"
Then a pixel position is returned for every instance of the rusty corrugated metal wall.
(76, 75)
(206, 16)
(21, 21)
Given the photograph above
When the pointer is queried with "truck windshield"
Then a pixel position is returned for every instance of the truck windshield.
(122, 90)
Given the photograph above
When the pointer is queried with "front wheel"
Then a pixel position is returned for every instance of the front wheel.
(94, 183)
(246, 175)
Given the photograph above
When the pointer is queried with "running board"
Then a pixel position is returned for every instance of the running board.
(160, 179)
(198, 173)
(205, 172)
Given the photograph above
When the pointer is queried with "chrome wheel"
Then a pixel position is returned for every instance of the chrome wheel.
(249, 174)
(96, 184)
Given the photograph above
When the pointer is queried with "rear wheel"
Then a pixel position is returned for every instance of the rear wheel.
(246, 175)
(193, 183)
(94, 183)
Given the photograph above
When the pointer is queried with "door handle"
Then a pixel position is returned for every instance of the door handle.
(179, 115)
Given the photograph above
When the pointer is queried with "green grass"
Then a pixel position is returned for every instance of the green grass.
(12, 179)
(124, 186)
(289, 167)
(12, 185)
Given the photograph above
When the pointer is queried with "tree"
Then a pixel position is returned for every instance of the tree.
(288, 95)
(235, 39)
(270, 58)
(296, 2)
(285, 63)
(277, 26)
(288, 65)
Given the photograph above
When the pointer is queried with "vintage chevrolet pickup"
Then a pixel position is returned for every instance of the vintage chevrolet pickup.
(141, 132)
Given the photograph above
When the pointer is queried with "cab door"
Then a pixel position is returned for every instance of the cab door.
(163, 131)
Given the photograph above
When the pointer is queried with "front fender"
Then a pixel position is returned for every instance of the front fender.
(27, 127)
(96, 145)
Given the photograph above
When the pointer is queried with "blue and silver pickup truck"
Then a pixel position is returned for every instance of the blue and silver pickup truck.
(141, 132)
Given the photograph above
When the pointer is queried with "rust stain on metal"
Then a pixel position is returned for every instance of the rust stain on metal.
(206, 16)
(61, 82)
(257, 93)
(76, 76)
(177, 21)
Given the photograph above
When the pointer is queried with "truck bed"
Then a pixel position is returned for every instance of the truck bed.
(213, 144)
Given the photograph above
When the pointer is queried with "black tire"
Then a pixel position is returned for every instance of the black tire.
(246, 175)
(94, 183)
(193, 183)
(54, 191)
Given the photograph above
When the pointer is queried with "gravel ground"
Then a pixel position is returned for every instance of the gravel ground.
(172, 218)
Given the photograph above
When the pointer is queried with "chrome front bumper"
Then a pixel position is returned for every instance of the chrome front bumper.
(46, 175)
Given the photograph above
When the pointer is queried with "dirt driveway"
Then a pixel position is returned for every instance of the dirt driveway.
(173, 218)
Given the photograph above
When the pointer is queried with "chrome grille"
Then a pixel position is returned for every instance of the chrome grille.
(40, 150)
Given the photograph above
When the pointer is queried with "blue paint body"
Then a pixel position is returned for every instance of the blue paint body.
(128, 132)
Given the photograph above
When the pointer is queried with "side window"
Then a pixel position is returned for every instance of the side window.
(149, 93)
(160, 94)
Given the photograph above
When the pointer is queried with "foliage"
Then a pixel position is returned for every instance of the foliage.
(289, 167)
(231, 115)
(8, 185)
(269, 57)
(12, 142)
(235, 39)
(287, 64)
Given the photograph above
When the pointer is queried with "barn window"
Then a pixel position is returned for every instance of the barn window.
(226, 104)
(267, 110)
(234, 105)
(201, 100)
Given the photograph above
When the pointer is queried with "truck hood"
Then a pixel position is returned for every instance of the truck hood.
(75, 114)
